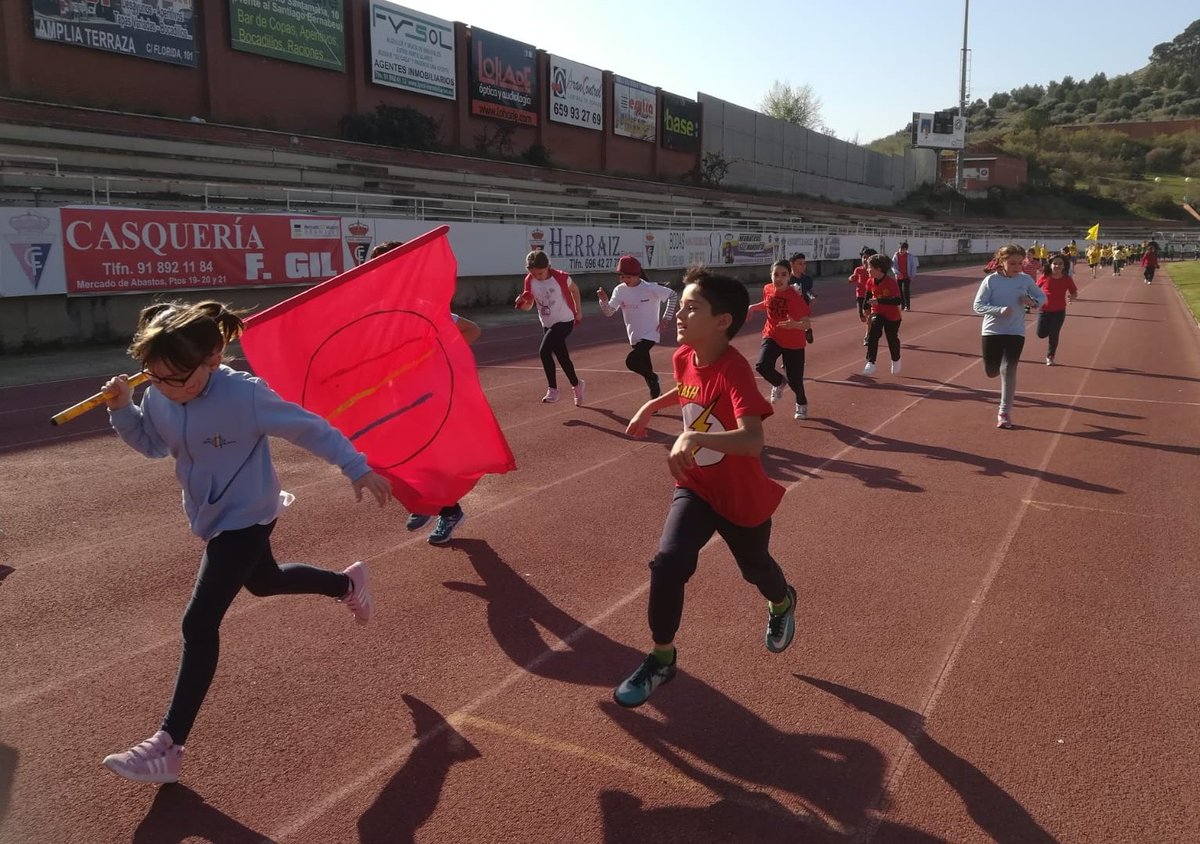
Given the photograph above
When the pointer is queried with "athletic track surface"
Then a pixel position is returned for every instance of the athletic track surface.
(998, 634)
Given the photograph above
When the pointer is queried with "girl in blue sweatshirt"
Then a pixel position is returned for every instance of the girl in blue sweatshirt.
(1002, 300)
(215, 422)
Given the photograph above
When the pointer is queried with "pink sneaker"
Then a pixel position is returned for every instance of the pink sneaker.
(578, 391)
(358, 599)
(157, 759)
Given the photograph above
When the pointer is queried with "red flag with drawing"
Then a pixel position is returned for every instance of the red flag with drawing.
(376, 352)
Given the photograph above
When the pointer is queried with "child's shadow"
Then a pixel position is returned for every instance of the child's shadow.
(517, 613)
(180, 814)
(991, 807)
(410, 797)
(619, 423)
(837, 774)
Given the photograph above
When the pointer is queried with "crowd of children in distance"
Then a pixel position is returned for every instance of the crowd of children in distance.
(232, 496)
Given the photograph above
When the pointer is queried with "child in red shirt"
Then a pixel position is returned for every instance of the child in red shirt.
(1150, 261)
(721, 486)
(783, 336)
(1057, 286)
(884, 295)
(859, 278)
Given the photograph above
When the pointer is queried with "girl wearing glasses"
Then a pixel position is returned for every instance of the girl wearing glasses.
(215, 422)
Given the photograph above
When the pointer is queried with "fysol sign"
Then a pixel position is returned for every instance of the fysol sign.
(680, 123)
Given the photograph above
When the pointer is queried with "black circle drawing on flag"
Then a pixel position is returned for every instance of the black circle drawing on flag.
(393, 401)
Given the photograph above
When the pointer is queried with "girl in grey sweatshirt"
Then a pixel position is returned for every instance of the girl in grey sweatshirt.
(1002, 298)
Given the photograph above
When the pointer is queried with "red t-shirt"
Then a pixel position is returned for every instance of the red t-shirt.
(713, 398)
(860, 278)
(884, 288)
(782, 305)
(1056, 290)
(1150, 259)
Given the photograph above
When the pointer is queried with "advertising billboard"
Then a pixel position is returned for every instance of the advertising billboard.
(635, 109)
(576, 94)
(680, 123)
(938, 130)
(503, 78)
(305, 31)
(162, 30)
(413, 51)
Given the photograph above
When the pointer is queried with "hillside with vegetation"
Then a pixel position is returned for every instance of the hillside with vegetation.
(1083, 171)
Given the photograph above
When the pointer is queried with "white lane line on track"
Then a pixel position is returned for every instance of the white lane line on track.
(1047, 505)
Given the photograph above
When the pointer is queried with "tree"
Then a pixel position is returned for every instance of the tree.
(796, 104)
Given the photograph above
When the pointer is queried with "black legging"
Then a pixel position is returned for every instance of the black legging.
(554, 345)
(878, 326)
(1049, 324)
(905, 285)
(638, 360)
(232, 559)
(793, 365)
(691, 522)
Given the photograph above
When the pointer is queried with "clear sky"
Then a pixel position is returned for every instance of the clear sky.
(871, 62)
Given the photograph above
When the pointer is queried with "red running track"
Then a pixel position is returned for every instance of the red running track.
(997, 634)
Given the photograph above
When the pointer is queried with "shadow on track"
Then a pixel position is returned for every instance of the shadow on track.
(830, 775)
(1000, 816)
(411, 795)
(179, 814)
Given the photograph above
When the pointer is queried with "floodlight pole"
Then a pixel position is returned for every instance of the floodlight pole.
(962, 101)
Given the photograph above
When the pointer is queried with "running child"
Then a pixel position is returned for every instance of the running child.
(883, 293)
(720, 484)
(1093, 258)
(640, 302)
(452, 515)
(783, 336)
(557, 300)
(859, 278)
(1001, 298)
(1058, 287)
(803, 282)
(215, 421)
(1118, 256)
(1150, 261)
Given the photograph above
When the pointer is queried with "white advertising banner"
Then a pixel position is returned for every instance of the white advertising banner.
(576, 94)
(411, 50)
(31, 254)
(635, 109)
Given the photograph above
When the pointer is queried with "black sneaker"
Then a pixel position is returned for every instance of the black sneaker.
(808, 337)
(781, 629)
(655, 388)
(639, 685)
(445, 527)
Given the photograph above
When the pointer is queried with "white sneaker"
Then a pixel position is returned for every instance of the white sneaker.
(869, 369)
(776, 393)
(578, 391)
(801, 411)
(551, 396)
(157, 759)
(1049, 361)
(358, 597)
(895, 367)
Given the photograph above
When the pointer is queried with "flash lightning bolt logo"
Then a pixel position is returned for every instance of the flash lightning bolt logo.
(701, 424)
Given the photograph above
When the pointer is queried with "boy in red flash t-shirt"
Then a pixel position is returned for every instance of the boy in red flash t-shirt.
(720, 484)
